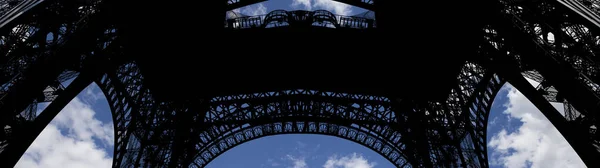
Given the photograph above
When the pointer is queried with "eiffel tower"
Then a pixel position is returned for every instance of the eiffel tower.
(412, 80)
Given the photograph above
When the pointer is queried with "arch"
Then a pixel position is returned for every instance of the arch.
(481, 106)
(241, 136)
(541, 110)
(486, 101)
(366, 120)
(276, 17)
(370, 112)
(127, 100)
(325, 17)
(109, 92)
(290, 111)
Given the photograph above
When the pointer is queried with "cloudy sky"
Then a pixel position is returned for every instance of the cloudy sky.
(82, 134)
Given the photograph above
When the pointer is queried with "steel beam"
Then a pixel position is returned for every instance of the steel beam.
(25, 136)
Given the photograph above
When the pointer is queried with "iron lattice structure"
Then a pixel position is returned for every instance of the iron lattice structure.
(436, 117)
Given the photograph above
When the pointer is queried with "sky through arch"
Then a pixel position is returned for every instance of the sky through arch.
(81, 135)
(300, 151)
(519, 135)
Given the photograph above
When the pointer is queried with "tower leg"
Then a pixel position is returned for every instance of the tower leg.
(29, 132)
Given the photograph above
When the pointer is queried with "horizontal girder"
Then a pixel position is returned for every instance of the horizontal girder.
(379, 145)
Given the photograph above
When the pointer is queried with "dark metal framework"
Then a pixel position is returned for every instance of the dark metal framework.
(359, 118)
(45, 43)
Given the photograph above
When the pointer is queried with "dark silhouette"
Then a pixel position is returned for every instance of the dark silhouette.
(411, 80)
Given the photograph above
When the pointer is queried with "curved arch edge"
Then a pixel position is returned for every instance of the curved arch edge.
(241, 136)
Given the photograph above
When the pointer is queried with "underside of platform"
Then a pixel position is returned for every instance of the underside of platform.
(256, 60)
(414, 60)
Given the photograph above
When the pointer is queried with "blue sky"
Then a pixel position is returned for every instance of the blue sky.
(82, 134)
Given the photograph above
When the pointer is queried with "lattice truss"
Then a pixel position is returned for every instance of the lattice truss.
(367, 120)
(150, 133)
(28, 49)
(565, 33)
(145, 128)
(143, 135)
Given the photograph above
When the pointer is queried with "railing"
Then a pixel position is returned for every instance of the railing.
(282, 18)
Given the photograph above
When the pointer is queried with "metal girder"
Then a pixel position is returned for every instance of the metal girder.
(435, 133)
(242, 135)
(566, 62)
(575, 136)
(12, 9)
(478, 109)
(128, 101)
(28, 85)
(290, 112)
(42, 71)
(581, 122)
(59, 97)
(28, 39)
(29, 131)
(587, 9)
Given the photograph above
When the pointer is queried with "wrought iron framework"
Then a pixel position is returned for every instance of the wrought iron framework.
(363, 119)
(45, 43)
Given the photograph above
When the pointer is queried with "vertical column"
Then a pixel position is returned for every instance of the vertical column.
(182, 121)
(189, 122)
(414, 133)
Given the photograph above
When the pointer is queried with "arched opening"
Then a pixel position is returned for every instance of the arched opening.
(380, 146)
(359, 118)
(300, 151)
(81, 135)
(519, 135)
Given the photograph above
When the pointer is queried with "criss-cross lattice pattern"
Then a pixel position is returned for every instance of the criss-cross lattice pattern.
(44, 43)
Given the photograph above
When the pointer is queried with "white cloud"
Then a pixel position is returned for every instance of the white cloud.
(329, 5)
(91, 95)
(298, 155)
(252, 10)
(333, 6)
(272, 162)
(52, 149)
(536, 143)
(304, 4)
(350, 161)
(79, 119)
(297, 162)
(493, 122)
(300, 145)
(68, 141)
